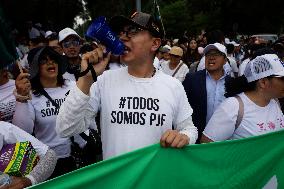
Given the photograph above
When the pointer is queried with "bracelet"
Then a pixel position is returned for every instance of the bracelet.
(89, 68)
(21, 98)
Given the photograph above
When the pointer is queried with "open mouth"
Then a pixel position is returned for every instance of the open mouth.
(211, 63)
(51, 69)
(126, 50)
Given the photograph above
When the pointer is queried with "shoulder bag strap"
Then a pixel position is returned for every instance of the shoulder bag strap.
(179, 66)
(240, 112)
(44, 93)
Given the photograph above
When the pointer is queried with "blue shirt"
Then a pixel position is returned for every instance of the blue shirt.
(215, 94)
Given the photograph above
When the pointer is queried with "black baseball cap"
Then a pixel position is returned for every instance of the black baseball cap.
(139, 19)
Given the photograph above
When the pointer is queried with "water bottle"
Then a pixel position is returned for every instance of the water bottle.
(99, 30)
(4, 179)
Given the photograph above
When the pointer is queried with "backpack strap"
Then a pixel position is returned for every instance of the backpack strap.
(179, 66)
(240, 112)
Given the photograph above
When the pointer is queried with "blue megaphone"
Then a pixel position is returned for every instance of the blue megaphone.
(99, 30)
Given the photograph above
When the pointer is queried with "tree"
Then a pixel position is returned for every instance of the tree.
(60, 13)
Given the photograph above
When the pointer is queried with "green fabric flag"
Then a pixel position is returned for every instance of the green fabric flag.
(256, 162)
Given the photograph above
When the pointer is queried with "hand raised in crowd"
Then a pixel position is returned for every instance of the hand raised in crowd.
(97, 59)
(174, 139)
(23, 84)
(99, 63)
(18, 183)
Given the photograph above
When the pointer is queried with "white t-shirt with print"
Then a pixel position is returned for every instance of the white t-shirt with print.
(69, 76)
(256, 120)
(181, 73)
(135, 112)
(40, 115)
(7, 101)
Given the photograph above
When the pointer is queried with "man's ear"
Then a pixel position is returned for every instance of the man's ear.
(156, 44)
(263, 83)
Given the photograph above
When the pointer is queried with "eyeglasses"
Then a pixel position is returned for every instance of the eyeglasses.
(67, 44)
(130, 31)
(276, 76)
(214, 54)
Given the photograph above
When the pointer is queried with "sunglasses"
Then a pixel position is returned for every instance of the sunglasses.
(46, 60)
(67, 44)
(130, 31)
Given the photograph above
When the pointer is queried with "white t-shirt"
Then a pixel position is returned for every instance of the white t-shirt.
(69, 76)
(181, 73)
(7, 101)
(40, 115)
(115, 65)
(156, 63)
(135, 112)
(10, 134)
(256, 120)
(138, 116)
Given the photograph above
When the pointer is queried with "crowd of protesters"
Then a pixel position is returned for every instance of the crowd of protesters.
(195, 89)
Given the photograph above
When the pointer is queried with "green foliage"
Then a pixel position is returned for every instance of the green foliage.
(175, 18)
(242, 16)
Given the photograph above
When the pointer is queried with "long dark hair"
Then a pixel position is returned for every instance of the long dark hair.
(234, 86)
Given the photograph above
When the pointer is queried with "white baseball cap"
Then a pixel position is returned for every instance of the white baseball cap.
(234, 43)
(217, 46)
(49, 33)
(264, 66)
(167, 47)
(65, 33)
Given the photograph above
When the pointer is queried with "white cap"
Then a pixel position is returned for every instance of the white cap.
(264, 66)
(167, 47)
(65, 33)
(175, 41)
(235, 44)
(217, 46)
(48, 33)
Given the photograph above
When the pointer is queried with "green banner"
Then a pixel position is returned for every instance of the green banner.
(256, 162)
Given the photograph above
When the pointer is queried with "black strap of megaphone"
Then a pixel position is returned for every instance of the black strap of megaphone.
(90, 67)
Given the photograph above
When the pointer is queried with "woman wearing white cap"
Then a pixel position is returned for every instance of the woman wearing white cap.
(251, 108)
